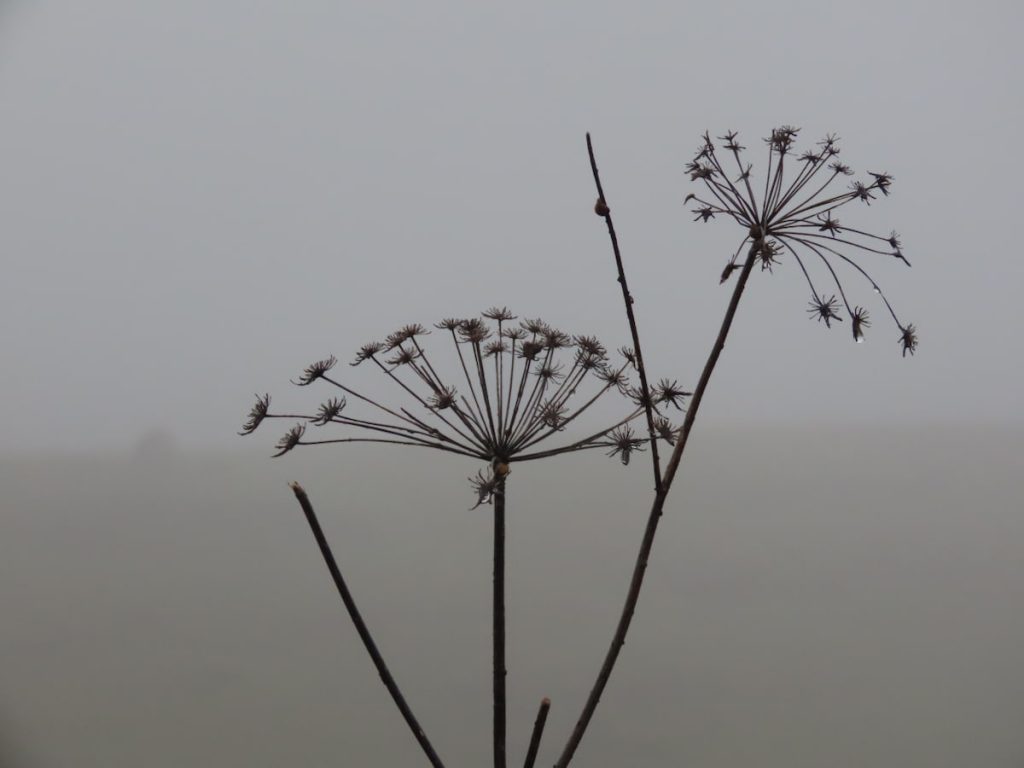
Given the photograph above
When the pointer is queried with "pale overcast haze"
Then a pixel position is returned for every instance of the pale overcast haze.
(200, 198)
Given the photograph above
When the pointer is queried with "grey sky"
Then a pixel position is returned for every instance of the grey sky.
(200, 198)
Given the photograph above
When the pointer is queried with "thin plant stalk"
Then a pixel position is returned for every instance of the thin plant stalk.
(499, 626)
(361, 628)
(604, 211)
(640, 569)
(538, 731)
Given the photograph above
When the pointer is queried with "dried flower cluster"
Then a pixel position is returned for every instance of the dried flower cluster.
(516, 384)
(798, 217)
(504, 387)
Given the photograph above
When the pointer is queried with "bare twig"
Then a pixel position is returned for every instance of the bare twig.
(538, 731)
(364, 633)
(601, 209)
(639, 570)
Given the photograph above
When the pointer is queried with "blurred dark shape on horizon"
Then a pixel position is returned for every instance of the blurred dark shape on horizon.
(156, 445)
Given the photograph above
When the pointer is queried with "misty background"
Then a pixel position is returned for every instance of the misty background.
(200, 199)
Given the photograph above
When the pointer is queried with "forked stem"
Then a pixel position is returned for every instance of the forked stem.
(361, 628)
(640, 569)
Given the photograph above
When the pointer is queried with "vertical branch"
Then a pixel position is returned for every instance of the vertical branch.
(640, 569)
(538, 730)
(602, 209)
(364, 632)
(499, 625)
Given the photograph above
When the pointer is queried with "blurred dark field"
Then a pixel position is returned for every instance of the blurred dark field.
(831, 598)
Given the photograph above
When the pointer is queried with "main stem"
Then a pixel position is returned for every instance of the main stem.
(640, 569)
(499, 626)
(361, 628)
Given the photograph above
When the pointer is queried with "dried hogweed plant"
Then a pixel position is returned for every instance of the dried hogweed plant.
(512, 388)
(516, 381)
(516, 385)
(785, 218)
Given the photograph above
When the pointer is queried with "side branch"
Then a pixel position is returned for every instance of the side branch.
(364, 633)
(601, 209)
(538, 731)
(640, 569)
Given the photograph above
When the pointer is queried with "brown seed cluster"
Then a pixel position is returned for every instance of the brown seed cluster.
(505, 388)
(794, 215)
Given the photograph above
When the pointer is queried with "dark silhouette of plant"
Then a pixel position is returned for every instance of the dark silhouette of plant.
(797, 217)
(521, 384)
(361, 628)
(784, 219)
(516, 383)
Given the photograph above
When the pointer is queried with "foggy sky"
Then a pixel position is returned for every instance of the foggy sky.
(201, 198)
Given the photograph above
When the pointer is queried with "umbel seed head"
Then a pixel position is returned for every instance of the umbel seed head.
(504, 394)
(791, 216)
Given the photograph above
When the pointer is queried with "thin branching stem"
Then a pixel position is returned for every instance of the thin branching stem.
(800, 263)
(361, 628)
(558, 399)
(767, 178)
(519, 397)
(371, 401)
(565, 422)
(877, 288)
(802, 181)
(745, 175)
(627, 299)
(533, 399)
(466, 417)
(584, 443)
(422, 355)
(438, 388)
(482, 373)
(469, 379)
(508, 391)
(438, 446)
(733, 193)
(640, 569)
(434, 437)
(834, 239)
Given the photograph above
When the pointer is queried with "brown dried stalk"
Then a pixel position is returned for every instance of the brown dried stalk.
(361, 628)
(640, 569)
(786, 217)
